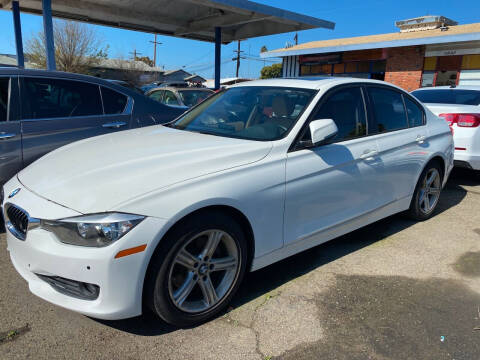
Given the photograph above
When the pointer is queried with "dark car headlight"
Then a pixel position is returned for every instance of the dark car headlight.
(96, 230)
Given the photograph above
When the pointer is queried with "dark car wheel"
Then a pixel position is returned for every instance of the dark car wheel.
(197, 269)
(427, 193)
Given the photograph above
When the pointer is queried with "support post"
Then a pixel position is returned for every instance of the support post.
(218, 53)
(18, 34)
(48, 30)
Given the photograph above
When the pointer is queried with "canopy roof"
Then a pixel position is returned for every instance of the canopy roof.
(192, 19)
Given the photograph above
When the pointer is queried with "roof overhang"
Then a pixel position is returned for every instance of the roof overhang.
(373, 45)
(192, 19)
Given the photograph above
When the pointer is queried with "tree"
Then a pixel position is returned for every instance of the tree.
(271, 71)
(263, 49)
(145, 59)
(77, 47)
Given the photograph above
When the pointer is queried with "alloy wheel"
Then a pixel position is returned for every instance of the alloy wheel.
(203, 271)
(430, 191)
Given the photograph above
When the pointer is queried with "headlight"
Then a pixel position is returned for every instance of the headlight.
(92, 230)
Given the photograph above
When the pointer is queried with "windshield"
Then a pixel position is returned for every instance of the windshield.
(248, 112)
(193, 97)
(448, 96)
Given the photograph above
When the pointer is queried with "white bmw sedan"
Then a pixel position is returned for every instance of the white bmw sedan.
(172, 217)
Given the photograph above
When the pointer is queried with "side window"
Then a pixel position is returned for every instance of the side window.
(4, 83)
(156, 95)
(113, 102)
(414, 113)
(55, 98)
(346, 108)
(170, 98)
(388, 109)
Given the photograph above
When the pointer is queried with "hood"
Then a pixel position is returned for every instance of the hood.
(438, 109)
(95, 174)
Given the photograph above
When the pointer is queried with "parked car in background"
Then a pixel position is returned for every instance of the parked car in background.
(147, 87)
(43, 110)
(186, 97)
(174, 216)
(460, 107)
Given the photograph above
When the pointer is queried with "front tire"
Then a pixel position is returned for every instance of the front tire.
(197, 269)
(427, 193)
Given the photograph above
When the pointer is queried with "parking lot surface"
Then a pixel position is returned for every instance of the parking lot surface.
(393, 290)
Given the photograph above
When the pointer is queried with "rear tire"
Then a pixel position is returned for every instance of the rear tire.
(197, 269)
(427, 193)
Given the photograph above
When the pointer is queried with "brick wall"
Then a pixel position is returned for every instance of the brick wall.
(404, 66)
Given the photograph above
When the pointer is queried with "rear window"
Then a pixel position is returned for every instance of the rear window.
(448, 96)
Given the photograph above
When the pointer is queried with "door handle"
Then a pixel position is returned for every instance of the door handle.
(421, 139)
(114, 125)
(369, 154)
(5, 136)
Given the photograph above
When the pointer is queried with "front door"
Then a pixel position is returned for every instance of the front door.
(10, 131)
(335, 183)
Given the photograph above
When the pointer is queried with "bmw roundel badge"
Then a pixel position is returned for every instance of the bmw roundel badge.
(14, 192)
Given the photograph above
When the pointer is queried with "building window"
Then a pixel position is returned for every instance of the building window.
(428, 78)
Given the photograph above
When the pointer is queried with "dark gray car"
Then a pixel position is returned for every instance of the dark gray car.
(43, 110)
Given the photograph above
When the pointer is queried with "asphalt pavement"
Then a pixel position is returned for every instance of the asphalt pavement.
(396, 289)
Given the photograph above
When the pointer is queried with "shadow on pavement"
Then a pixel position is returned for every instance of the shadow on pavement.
(263, 281)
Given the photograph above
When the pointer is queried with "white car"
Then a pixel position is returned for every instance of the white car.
(171, 217)
(460, 107)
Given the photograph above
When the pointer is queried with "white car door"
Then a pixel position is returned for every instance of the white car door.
(402, 138)
(336, 182)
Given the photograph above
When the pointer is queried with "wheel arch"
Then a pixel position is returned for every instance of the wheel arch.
(439, 159)
(232, 211)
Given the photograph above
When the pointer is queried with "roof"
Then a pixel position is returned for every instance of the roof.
(127, 65)
(458, 87)
(310, 82)
(459, 33)
(195, 76)
(170, 72)
(11, 60)
(192, 19)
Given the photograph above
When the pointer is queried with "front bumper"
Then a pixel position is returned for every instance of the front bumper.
(120, 280)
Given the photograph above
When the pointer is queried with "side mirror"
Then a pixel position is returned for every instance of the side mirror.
(322, 130)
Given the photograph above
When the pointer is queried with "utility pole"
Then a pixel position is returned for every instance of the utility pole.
(135, 53)
(155, 42)
(238, 57)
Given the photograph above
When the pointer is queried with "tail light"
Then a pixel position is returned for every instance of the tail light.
(462, 120)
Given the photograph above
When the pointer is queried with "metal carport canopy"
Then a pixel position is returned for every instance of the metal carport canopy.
(192, 19)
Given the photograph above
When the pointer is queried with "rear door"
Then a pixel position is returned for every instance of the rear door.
(56, 112)
(10, 130)
(402, 138)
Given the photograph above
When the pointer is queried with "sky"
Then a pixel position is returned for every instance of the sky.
(352, 18)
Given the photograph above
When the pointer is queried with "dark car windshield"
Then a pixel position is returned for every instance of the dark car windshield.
(248, 112)
(193, 97)
(448, 96)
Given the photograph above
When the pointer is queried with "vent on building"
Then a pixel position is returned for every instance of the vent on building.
(429, 22)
